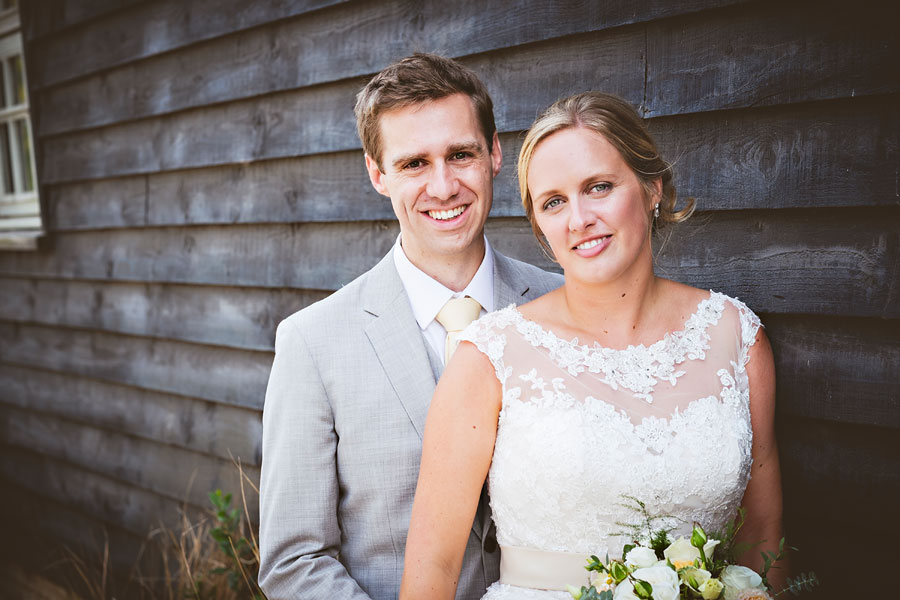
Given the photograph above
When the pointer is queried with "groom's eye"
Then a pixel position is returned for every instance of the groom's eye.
(413, 164)
(461, 155)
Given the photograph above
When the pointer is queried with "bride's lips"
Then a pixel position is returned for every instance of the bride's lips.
(592, 246)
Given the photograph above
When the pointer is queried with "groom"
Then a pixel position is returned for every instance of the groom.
(354, 374)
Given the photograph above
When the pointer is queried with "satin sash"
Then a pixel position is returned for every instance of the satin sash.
(542, 570)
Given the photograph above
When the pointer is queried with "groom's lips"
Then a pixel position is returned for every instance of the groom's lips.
(447, 215)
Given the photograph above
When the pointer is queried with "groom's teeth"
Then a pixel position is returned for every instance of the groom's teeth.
(589, 244)
(443, 215)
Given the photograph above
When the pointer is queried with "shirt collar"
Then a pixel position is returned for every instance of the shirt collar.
(427, 296)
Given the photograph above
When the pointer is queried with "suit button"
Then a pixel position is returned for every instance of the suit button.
(490, 543)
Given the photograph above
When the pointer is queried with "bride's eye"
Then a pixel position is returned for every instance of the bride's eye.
(599, 188)
(552, 203)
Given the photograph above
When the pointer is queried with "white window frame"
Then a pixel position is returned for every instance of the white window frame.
(20, 210)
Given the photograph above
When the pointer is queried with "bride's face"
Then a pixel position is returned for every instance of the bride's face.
(590, 206)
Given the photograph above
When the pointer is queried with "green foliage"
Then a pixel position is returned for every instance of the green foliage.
(659, 541)
(242, 557)
(647, 528)
(643, 589)
(804, 582)
(590, 593)
(770, 558)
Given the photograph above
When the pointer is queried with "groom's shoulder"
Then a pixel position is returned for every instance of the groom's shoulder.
(337, 308)
(517, 270)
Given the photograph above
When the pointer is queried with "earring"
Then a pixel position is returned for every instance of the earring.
(656, 211)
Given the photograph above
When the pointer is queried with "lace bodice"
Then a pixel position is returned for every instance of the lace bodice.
(583, 426)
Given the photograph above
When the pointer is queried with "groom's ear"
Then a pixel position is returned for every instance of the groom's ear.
(376, 176)
(496, 154)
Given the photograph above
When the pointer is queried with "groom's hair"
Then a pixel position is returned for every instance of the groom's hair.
(414, 79)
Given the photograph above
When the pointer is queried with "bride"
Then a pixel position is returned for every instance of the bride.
(620, 383)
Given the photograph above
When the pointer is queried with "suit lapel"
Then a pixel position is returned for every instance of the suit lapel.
(398, 342)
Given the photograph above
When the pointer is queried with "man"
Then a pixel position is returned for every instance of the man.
(354, 374)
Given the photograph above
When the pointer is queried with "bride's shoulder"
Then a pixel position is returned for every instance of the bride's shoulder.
(543, 307)
(685, 297)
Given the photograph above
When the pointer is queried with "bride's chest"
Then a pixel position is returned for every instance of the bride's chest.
(591, 444)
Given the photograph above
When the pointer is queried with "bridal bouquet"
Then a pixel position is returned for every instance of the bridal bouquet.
(686, 568)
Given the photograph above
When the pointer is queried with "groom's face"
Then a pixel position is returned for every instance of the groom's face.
(438, 171)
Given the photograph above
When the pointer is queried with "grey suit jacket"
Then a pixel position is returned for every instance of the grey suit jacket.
(342, 435)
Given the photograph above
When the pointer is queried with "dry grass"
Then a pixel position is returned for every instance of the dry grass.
(180, 562)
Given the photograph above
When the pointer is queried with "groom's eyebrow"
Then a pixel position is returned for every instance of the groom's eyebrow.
(473, 147)
(398, 162)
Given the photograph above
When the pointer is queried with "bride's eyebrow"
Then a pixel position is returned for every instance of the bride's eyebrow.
(543, 195)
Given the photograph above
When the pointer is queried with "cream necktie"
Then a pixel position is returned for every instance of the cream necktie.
(456, 316)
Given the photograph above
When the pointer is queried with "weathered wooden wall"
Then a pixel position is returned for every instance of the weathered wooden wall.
(202, 179)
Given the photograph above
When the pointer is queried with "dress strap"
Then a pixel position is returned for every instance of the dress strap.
(542, 570)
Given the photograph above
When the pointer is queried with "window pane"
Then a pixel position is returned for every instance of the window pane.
(4, 156)
(18, 79)
(27, 169)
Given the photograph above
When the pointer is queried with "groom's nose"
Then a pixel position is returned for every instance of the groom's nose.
(442, 182)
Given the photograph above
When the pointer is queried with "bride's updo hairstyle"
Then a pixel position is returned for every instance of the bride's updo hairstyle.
(618, 122)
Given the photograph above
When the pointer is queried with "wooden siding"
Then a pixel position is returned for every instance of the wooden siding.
(202, 179)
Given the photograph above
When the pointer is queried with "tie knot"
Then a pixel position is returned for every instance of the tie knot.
(458, 313)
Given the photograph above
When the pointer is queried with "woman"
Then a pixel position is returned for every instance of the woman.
(620, 383)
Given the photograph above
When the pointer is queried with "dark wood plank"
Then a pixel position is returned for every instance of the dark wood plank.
(308, 121)
(106, 499)
(44, 17)
(311, 256)
(39, 529)
(328, 187)
(837, 369)
(811, 155)
(827, 154)
(756, 55)
(832, 476)
(174, 473)
(223, 431)
(320, 119)
(234, 377)
(816, 541)
(242, 318)
(152, 28)
(830, 261)
(119, 202)
(341, 42)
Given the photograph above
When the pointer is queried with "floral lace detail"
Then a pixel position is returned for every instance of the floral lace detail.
(577, 431)
(636, 368)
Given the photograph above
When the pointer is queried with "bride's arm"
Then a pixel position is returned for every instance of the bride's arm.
(762, 499)
(459, 441)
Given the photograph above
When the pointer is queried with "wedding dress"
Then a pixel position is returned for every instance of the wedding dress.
(582, 428)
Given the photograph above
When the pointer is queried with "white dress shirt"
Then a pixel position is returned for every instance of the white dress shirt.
(427, 296)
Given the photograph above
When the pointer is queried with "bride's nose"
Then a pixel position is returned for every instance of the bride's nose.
(581, 215)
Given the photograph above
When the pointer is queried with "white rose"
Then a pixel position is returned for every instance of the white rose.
(663, 579)
(681, 554)
(711, 589)
(640, 557)
(694, 577)
(737, 579)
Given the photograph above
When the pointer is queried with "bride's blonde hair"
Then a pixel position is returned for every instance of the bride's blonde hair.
(619, 123)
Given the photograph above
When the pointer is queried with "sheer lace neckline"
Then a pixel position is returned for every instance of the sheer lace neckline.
(714, 301)
(637, 368)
